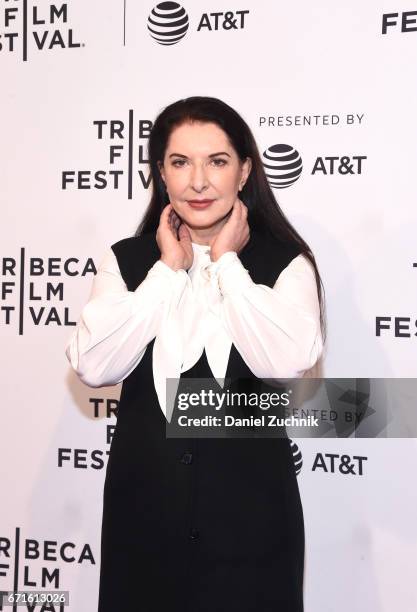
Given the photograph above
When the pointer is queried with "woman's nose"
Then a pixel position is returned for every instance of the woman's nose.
(198, 177)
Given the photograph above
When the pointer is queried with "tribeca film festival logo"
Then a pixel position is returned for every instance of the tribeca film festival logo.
(96, 459)
(33, 289)
(396, 326)
(28, 27)
(168, 22)
(399, 22)
(28, 564)
(126, 158)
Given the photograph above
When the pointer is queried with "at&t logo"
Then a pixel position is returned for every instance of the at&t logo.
(334, 463)
(168, 22)
(283, 165)
(297, 457)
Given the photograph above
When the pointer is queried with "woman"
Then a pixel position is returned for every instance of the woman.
(215, 284)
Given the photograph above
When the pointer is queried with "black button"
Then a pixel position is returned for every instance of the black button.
(187, 458)
(194, 534)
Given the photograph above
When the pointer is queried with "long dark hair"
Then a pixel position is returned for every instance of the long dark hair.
(264, 213)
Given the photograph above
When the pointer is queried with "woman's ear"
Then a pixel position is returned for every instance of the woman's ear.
(161, 170)
(246, 168)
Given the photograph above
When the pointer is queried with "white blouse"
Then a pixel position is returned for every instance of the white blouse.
(275, 330)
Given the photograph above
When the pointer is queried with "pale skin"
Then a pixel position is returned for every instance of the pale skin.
(201, 163)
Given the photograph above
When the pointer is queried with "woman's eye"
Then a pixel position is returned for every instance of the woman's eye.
(178, 163)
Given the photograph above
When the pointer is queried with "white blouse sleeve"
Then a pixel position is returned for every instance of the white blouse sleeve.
(116, 325)
(276, 330)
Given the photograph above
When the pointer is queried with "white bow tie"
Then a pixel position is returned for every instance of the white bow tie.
(183, 314)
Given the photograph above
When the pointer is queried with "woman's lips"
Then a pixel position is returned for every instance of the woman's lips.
(199, 203)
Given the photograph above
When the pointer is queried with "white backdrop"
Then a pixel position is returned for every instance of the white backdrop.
(323, 78)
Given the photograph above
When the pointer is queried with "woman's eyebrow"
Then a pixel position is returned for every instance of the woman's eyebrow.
(211, 155)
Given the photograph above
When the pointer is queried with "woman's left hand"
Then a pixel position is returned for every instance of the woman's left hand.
(234, 234)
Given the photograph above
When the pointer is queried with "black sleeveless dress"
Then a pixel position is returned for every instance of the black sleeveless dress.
(201, 524)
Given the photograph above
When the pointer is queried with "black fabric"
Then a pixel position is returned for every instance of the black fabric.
(198, 525)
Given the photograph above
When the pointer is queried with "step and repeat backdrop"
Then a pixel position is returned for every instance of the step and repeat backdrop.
(81, 83)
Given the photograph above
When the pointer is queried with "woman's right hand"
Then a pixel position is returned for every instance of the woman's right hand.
(174, 240)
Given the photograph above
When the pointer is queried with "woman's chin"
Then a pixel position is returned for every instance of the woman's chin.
(204, 219)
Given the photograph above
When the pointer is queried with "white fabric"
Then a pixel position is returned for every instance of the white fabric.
(276, 330)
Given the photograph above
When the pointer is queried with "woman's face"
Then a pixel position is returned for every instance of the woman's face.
(201, 164)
